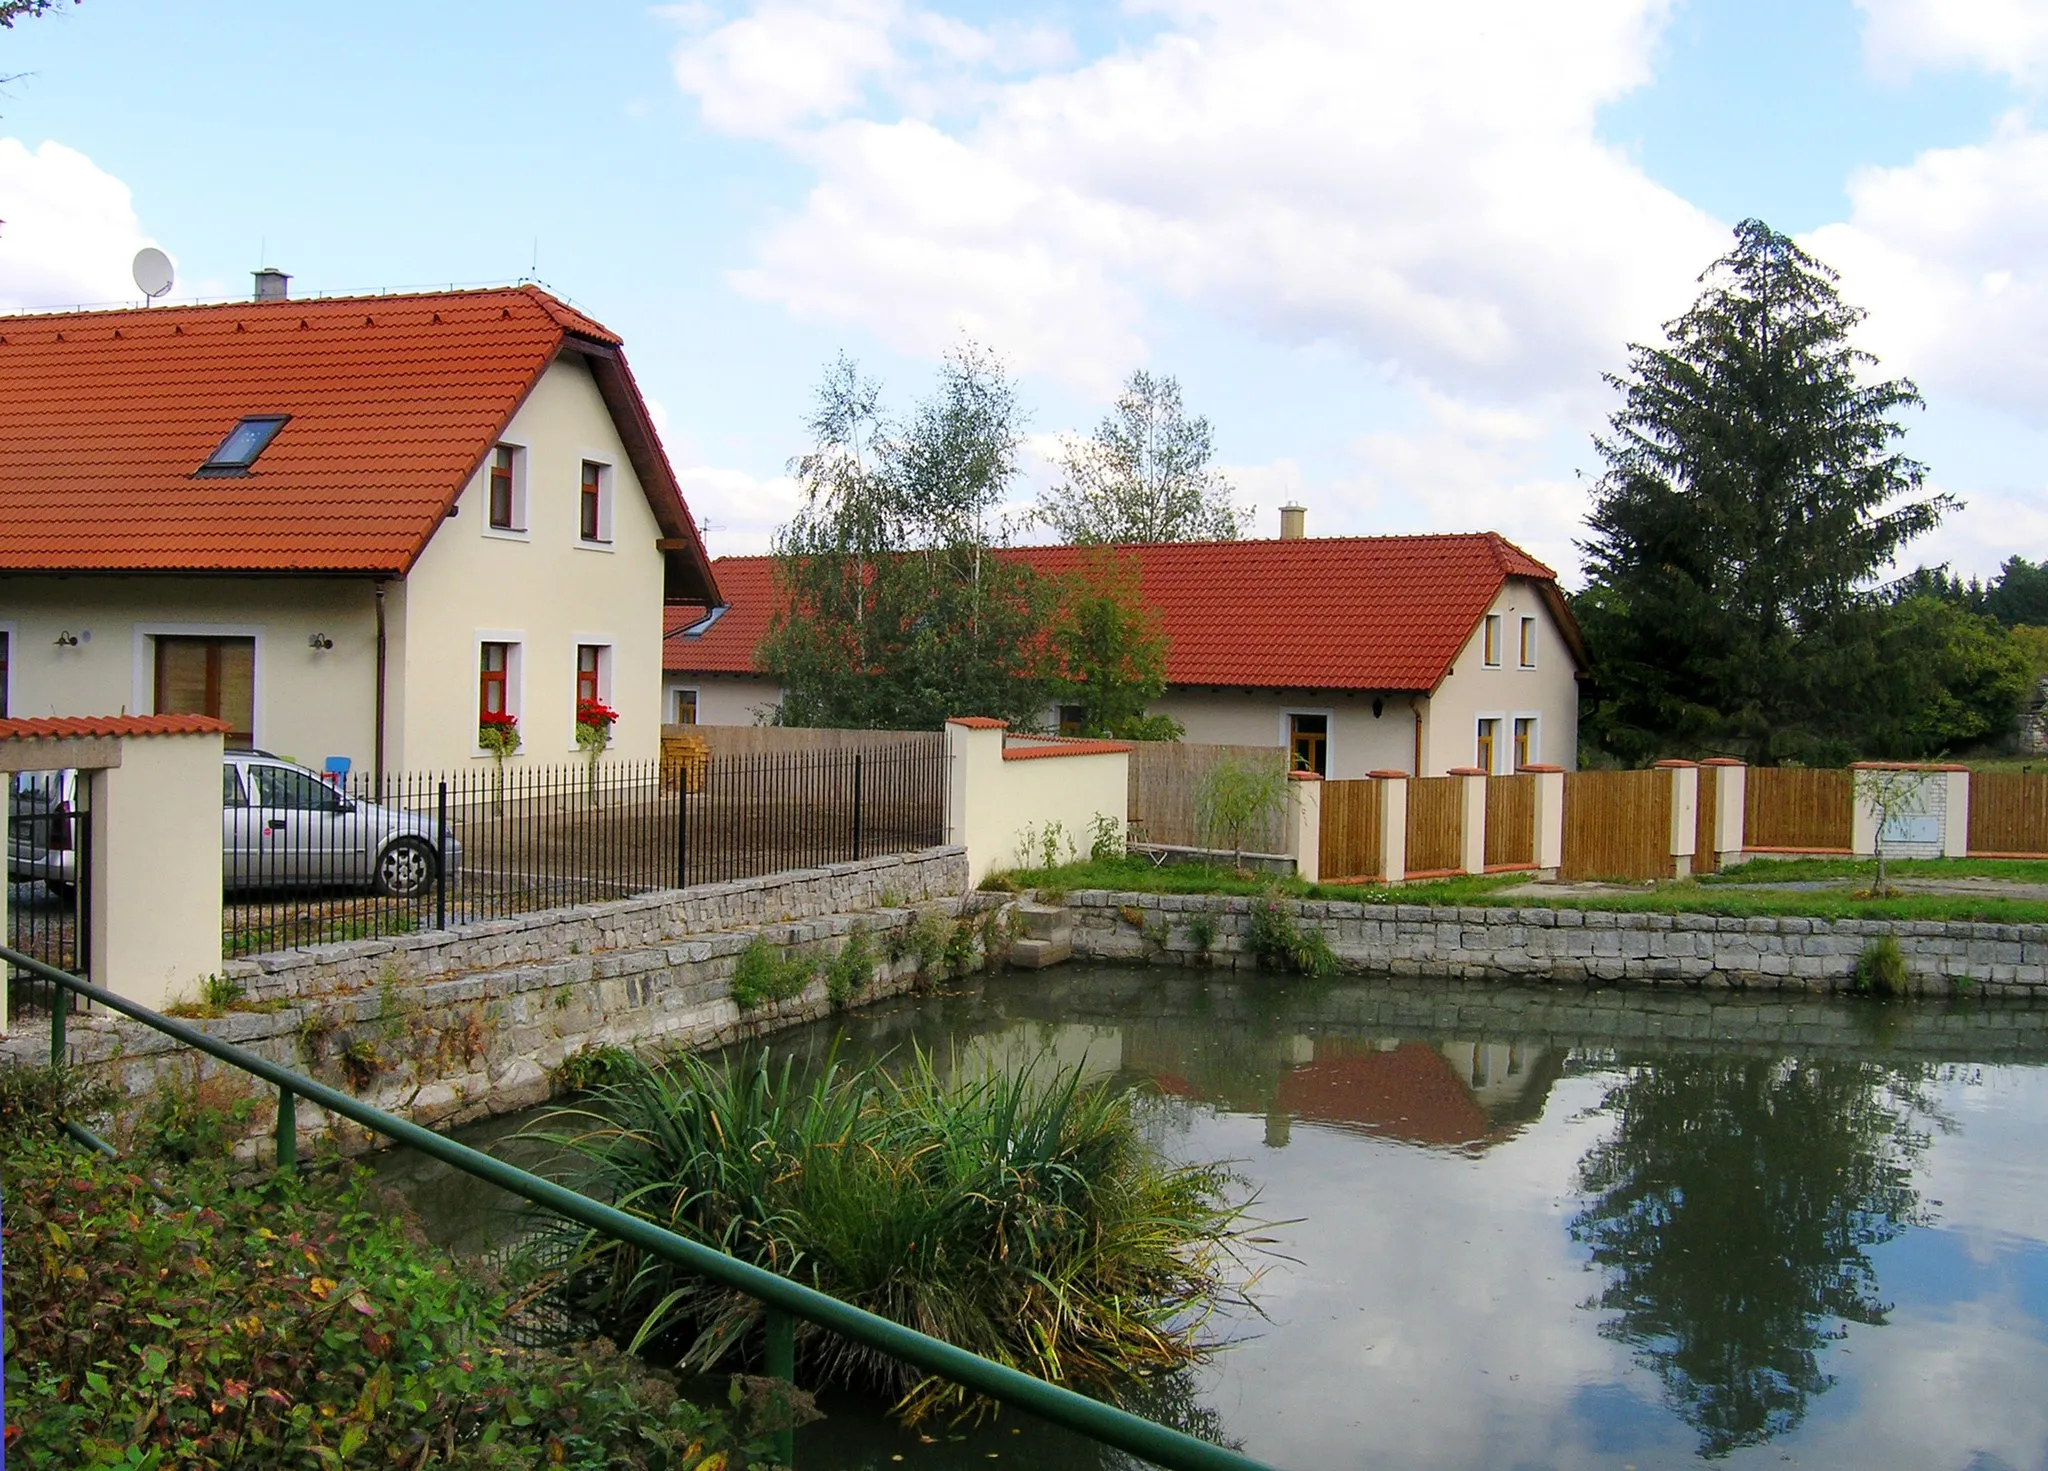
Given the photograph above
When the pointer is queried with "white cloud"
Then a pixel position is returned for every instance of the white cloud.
(2005, 37)
(70, 231)
(1424, 193)
(1950, 255)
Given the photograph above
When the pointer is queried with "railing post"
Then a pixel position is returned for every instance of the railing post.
(441, 856)
(856, 805)
(782, 1368)
(287, 1130)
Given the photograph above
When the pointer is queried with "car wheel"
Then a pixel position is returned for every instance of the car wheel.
(66, 893)
(405, 869)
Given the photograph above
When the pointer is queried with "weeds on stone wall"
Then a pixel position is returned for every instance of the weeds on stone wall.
(1282, 942)
(1880, 970)
(763, 975)
(1202, 931)
(849, 972)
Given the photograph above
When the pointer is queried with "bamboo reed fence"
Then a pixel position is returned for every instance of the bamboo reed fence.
(1791, 809)
(1617, 825)
(1510, 821)
(2008, 815)
(1436, 828)
(1352, 817)
(1165, 790)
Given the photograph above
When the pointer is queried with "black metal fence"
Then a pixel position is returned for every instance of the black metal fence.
(49, 862)
(307, 863)
(750, 815)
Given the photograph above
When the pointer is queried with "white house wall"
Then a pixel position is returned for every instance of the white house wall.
(1359, 741)
(1549, 692)
(725, 699)
(546, 591)
(309, 703)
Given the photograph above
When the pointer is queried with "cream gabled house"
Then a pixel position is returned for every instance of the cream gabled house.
(1417, 654)
(344, 526)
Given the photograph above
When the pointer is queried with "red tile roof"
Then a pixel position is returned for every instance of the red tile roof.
(1409, 1094)
(63, 727)
(1339, 612)
(394, 401)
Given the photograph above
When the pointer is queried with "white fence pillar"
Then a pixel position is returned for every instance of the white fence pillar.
(1305, 824)
(1685, 814)
(1955, 828)
(1548, 849)
(1393, 824)
(1731, 799)
(1472, 817)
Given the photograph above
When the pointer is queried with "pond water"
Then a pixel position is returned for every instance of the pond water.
(1532, 1228)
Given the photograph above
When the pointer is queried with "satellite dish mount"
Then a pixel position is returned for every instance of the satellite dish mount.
(152, 271)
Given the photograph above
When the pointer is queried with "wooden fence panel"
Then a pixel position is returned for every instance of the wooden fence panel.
(1166, 781)
(1797, 810)
(1703, 855)
(1617, 825)
(1436, 829)
(2008, 814)
(1351, 829)
(1510, 821)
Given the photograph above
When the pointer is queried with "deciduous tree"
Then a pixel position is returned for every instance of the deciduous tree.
(1143, 476)
(1111, 651)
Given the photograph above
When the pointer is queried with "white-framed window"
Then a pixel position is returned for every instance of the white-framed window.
(1491, 651)
(593, 671)
(682, 707)
(500, 678)
(1526, 650)
(1486, 743)
(594, 505)
(1306, 735)
(203, 669)
(505, 491)
(1528, 745)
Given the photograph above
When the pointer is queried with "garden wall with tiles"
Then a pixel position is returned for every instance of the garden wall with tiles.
(453, 1026)
(1582, 946)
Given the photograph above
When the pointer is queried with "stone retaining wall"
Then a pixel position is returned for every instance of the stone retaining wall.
(1584, 946)
(622, 924)
(449, 1027)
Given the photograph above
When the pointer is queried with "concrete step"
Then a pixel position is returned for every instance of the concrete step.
(1045, 922)
(1034, 954)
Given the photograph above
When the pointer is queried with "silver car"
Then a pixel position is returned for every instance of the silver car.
(41, 830)
(282, 824)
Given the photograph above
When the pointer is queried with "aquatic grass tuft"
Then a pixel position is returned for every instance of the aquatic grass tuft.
(1020, 1216)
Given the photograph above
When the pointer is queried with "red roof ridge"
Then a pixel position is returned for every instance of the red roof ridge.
(565, 316)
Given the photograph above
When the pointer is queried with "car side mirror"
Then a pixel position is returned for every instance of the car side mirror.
(344, 804)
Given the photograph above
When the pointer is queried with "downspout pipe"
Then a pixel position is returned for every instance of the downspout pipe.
(377, 760)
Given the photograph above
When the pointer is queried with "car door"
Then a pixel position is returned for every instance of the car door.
(240, 845)
(303, 841)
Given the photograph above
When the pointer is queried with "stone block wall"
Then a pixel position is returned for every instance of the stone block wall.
(1580, 946)
(638, 923)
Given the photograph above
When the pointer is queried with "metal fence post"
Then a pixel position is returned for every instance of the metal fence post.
(782, 1369)
(287, 1131)
(441, 857)
(856, 806)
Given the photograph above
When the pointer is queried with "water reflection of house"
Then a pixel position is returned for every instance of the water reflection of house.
(1449, 1095)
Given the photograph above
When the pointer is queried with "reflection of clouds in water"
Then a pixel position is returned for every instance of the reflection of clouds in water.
(1986, 1173)
(1435, 1317)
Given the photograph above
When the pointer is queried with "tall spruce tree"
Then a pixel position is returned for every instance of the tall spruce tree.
(1753, 489)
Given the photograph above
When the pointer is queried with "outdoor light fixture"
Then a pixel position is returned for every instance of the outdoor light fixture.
(319, 641)
(67, 640)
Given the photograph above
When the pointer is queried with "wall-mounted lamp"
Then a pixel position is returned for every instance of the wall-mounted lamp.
(319, 641)
(67, 640)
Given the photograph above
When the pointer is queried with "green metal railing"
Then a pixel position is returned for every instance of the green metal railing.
(784, 1300)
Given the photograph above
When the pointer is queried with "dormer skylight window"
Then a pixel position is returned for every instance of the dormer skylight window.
(244, 443)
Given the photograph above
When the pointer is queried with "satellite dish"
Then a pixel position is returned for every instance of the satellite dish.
(153, 273)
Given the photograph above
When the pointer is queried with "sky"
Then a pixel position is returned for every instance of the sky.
(1388, 250)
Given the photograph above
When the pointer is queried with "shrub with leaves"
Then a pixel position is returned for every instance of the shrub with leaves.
(1282, 942)
(765, 975)
(178, 1319)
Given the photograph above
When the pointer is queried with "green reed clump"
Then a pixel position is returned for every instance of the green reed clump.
(1021, 1216)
